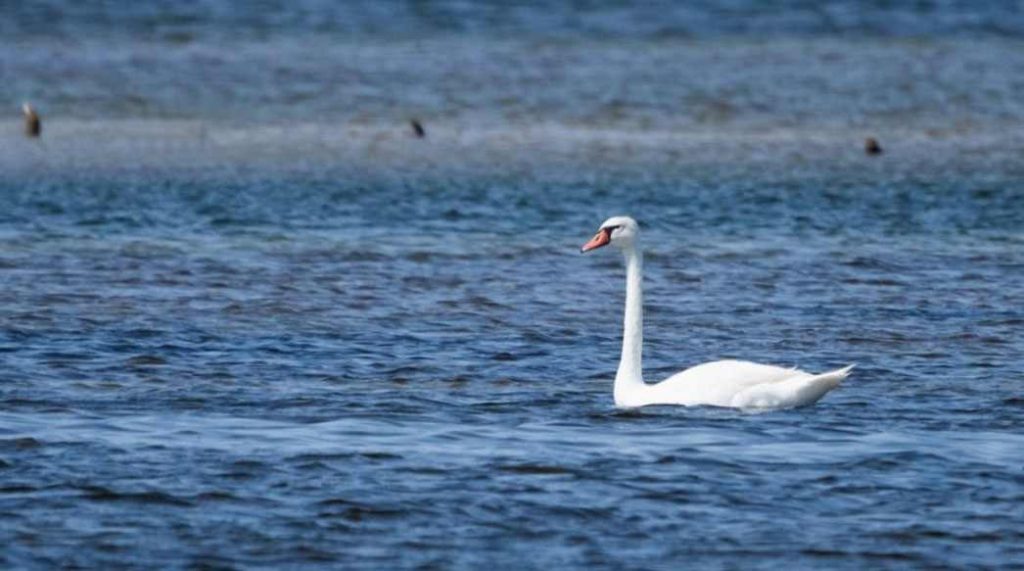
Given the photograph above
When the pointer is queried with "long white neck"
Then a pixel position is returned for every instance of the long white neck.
(629, 380)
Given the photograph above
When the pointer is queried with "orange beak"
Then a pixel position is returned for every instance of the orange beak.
(602, 238)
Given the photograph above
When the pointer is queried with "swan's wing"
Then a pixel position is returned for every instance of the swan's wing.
(790, 393)
(719, 382)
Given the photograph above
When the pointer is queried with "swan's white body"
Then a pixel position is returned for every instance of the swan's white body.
(739, 384)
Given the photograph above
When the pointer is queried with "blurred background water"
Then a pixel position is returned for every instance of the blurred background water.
(247, 319)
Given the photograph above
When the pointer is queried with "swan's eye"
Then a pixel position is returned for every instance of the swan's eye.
(611, 229)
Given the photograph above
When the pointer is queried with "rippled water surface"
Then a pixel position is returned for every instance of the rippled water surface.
(290, 370)
(248, 321)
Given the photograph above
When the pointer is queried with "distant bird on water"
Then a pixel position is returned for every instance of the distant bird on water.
(872, 147)
(417, 129)
(33, 126)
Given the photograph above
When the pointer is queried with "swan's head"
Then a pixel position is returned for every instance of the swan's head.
(618, 230)
(27, 109)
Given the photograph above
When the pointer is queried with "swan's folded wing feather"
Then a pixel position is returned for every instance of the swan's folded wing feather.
(790, 393)
(717, 383)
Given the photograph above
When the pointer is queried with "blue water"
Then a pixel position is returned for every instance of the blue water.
(248, 321)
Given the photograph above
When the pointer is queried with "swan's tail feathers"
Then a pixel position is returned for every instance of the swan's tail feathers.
(802, 390)
(817, 386)
(841, 373)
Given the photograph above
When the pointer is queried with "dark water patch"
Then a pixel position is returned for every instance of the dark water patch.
(535, 469)
(356, 512)
(146, 361)
(22, 443)
(381, 456)
(103, 494)
(886, 282)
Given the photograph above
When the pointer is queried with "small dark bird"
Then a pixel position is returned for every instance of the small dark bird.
(417, 129)
(872, 147)
(33, 126)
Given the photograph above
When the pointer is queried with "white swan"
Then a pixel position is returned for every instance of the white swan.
(739, 384)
